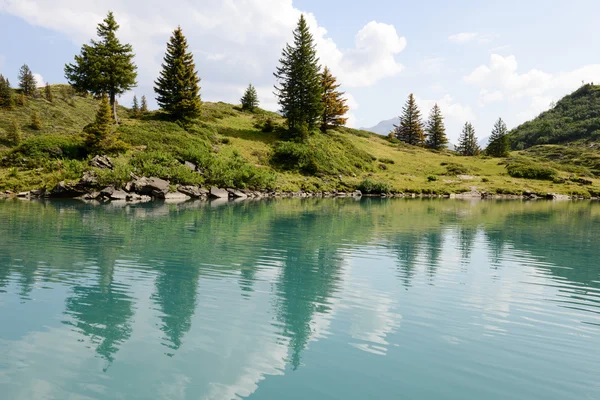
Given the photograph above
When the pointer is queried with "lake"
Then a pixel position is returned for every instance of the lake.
(300, 299)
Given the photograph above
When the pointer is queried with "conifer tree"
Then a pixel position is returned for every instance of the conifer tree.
(299, 92)
(99, 131)
(14, 133)
(7, 100)
(135, 108)
(27, 82)
(48, 93)
(499, 145)
(467, 142)
(144, 105)
(177, 86)
(35, 121)
(334, 103)
(410, 130)
(250, 99)
(105, 66)
(436, 131)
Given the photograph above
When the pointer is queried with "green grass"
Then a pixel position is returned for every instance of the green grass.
(231, 149)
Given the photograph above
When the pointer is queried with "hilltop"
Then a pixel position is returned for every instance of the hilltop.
(574, 120)
(230, 148)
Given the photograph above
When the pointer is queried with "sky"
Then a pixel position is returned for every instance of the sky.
(478, 60)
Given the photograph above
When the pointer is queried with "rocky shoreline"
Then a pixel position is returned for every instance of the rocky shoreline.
(144, 189)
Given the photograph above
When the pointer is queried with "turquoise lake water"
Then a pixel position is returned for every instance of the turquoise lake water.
(300, 299)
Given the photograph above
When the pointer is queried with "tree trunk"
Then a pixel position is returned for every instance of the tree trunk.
(113, 103)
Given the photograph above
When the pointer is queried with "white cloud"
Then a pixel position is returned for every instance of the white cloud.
(234, 42)
(39, 80)
(500, 80)
(449, 107)
(432, 65)
(469, 37)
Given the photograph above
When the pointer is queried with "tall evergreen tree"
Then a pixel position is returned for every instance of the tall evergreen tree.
(299, 92)
(105, 66)
(27, 82)
(334, 103)
(250, 99)
(144, 105)
(135, 107)
(48, 93)
(436, 131)
(7, 99)
(467, 142)
(177, 86)
(499, 145)
(99, 131)
(410, 130)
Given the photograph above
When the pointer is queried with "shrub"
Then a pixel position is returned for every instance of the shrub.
(432, 178)
(383, 167)
(369, 186)
(455, 169)
(387, 161)
(36, 124)
(485, 180)
(531, 171)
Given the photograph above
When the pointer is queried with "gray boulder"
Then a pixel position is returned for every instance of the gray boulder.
(237, 194)
(66, 190)
(102, 162)
(151, 186)
(217, 193)
(194, 192)
(89, 179)
(191, 166)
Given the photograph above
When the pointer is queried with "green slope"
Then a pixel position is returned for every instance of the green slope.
(230, 149)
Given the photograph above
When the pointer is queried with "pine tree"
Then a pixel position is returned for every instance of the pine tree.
(334, 103)
(35, 122)
(177, 86)
(467, 142)
(410, 130)
(99, 131)
(105, 66)
(14, 133)
(436, 131)
(499, 145)
(135, 108)
(27, 82)
(48, 93)
(299, 92)
(144, 106)
(7, 100)
(250, 99)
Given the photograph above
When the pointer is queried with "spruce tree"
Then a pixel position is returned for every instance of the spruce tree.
(499, 145)
(250, 99)
(436, 131)
(467, 142)
(27, 82)
(144, 105)
(105, 66)
(7, 100)
(177, 86)
(48, 93)
(299, 92)
(14, 133)
(36, 124)
(135, 108)
(334, 103)
(410, 130)
(99, 131)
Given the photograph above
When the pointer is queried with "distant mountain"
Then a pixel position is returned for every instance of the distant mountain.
(575, 118)
(385, 127)
(483, 143)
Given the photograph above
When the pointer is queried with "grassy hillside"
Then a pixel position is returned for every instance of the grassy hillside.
(231, 149)
(575, 120)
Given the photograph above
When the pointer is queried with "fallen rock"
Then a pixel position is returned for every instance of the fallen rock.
(217, 193)
(151, 186)
(107, 192)
(64, 190)
(102, 162)
(119, 195)
(237, 194)
(191, 166)
(23, 194)
(357, 193)
(176, 197)
(194, 192)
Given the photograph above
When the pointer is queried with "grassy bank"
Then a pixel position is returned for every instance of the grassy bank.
(232, 148)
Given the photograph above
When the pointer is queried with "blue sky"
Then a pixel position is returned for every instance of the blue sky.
(478, 60)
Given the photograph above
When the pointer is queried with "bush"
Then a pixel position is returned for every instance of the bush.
(34, 151)
(455, 169)
(369, 186)
(387, 161)
(531, 171)
(432, 178)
